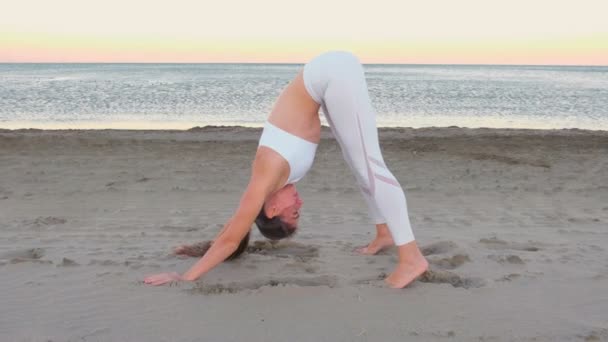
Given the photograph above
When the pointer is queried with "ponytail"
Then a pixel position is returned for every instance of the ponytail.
(272, 228)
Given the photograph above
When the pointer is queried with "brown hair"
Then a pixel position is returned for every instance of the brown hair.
(272, 228)
(240, 249)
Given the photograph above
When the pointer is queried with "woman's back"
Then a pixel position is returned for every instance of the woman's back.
(296, 112)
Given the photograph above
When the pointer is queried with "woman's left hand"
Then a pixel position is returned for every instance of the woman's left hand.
(163, 278)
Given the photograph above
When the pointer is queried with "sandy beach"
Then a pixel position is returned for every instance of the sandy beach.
(514, 223)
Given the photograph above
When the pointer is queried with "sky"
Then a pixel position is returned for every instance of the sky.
(535, 32)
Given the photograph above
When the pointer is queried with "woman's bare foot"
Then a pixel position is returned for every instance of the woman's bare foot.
(376, 246)
(383, 240)
(405, 273)
(411, 265)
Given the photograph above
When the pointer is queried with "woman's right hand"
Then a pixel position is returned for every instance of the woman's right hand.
(162, 278)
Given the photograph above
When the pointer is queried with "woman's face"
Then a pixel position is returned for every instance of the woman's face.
(287, 203)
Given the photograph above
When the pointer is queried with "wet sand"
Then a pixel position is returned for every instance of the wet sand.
(514, 223)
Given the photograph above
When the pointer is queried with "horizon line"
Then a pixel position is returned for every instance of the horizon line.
(284, 63)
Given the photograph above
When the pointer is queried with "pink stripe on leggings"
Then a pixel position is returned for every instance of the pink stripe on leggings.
(372, 184)
(388, 180)
(377, 162)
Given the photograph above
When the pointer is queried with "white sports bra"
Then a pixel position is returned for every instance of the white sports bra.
(299, 153)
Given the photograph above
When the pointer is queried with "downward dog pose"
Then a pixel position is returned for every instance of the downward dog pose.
(333, 81)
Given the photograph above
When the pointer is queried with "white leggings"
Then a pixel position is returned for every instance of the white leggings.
(336, 81)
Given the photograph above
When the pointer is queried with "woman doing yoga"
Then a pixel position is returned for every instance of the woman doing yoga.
(335, 82)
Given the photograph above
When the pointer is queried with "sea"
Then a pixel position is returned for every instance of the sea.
(182, 96)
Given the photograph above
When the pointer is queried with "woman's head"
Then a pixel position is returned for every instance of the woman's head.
(283, 204)
(278, 218)
(280, 214)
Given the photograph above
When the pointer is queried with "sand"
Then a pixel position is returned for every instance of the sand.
(514, 223)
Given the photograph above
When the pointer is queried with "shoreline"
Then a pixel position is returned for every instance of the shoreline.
(415, 122)
(324, 128)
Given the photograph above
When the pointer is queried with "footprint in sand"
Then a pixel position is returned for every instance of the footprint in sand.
(450, 262)
(439, 247)
(446, 277)
(114, 183)
(507, 259)
(284, 249)
(495, 243)
(33, 255)
(104, 262)
(443, 247)
(211, 289)
(304, 266)
(44, 221)
(509, 277)
(67, 263)
(595, 335)
(30, 253)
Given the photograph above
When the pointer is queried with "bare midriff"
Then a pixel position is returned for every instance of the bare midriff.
(296, 112)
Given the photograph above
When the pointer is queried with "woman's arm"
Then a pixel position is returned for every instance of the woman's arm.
(227, 240)
(268, 169)
(235, 230)
(224, 228)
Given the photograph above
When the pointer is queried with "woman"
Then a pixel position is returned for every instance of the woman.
(335, 82)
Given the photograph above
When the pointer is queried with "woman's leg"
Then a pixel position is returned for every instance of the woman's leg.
(336, 80)
(341, 86)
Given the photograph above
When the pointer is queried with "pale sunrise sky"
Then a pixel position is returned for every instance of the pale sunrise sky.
(380, 31)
